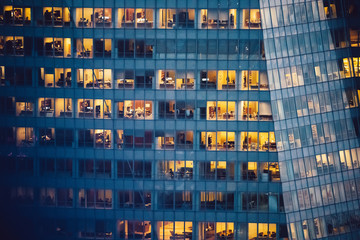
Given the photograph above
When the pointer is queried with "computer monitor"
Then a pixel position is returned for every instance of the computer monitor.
(57, 14)
(18, 43)
(17, 11)
(57, 44)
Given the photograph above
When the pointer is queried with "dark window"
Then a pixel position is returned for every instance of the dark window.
(64, 137)
(86, 138)
(134, 169)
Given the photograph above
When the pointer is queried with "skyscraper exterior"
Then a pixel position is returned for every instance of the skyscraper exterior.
(312, 60)
(167, 119)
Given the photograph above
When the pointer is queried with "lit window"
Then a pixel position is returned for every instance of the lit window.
(84, 17)
(46, 107)
(25, 109)
(102, 17)
(208, 79)
(248, 110)
(221, 110)
(137, 109)
(57, 47)
(354, 38)
(144, 18)
(250, 80)
(102, 138)
(249, 171)
(128, 229)
(166, 79)
(185, 80)
(224, 230)
(171, 230)
(165, 140)
(85, 108)
(217, 140)
(25, 137)
(126, 18)
(330, 9)
(175, 169)
(261, 230)
(226, 80)
(102, 108)
(63, 107)
(84, 48)
(16, 15)
(61, 76)
(13, 45)
(2, 52)
(167, 18)
(56, 16)
(217, 19)
(94, 78)
(251, 18)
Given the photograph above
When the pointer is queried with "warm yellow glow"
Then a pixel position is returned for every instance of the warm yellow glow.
(232, 18)
(168, 230)
(250, 80)
(252, 166)
(84, 47)
(166, 17)
(67, 47)
(83, 17)
(251, 19)
(252, 229)
(226, 80)
(166, 79)
(24, 136)
(354, 38)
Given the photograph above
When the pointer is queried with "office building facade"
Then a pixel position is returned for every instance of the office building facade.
(154, 119)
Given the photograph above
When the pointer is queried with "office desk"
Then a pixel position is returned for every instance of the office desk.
(265, 117)
(66, 114)
(46, 113)
(27, 142)
(80, 84)
(107, 114)
(86, 53)
(167, 85)
(145, 24)
(187, 85)
(58, 22)
(228, 86)
(86, 114)
(168, 145)
(26, 113)
(83, 23)
(102, 23)
(19, 51)
(125, 83)
(89, 85)
(228, 116)
(59, 51)
(129, 24)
